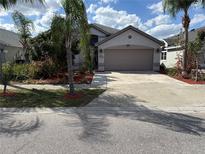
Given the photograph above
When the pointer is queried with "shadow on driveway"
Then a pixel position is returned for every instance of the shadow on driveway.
(95, 123)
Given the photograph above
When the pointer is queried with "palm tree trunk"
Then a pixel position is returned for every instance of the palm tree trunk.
(70, 66)
(186, 22)
(185, 49)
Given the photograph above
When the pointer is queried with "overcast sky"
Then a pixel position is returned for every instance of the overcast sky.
(146, 15)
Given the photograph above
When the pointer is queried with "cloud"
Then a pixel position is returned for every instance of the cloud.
(160, 26)
(114, 18)
(36, 9)
(44, 22)
(42, 14)
(92, 8)
(8, 26)
(165, 30)
(156, 8)
(108, 1)
(3, 12)
(198, 18)
(158, 20)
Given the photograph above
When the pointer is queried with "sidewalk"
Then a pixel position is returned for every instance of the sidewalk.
(99, 81)
(111, 110)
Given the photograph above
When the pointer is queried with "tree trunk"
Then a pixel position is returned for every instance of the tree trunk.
(186, 22)
(26, 56)
(1, 66)
(197, 68)
(5, 86)
(70, 66)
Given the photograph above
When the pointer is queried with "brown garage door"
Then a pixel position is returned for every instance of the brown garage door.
(128, 60)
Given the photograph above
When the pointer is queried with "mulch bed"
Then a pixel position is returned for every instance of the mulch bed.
(189, 81)
(73, 96)
(7, 94)
(79, 78)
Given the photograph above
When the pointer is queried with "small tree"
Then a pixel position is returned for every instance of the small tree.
(7, 75)
(24, 26)
(194, 48)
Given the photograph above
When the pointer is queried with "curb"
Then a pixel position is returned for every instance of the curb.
(100, 109)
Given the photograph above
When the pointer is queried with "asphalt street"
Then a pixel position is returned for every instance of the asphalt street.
(91, 131)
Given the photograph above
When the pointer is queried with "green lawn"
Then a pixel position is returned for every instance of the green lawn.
(44, 98)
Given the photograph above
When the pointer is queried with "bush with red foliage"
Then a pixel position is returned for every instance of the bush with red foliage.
(73, 96)
(191, 59)
(7, 94)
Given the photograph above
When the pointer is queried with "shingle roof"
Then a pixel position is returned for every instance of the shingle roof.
(192, 36)
(9, 38)
(105, 29)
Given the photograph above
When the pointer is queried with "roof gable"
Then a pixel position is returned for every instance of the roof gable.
(135, 30)
(104, 29)
(9, 38)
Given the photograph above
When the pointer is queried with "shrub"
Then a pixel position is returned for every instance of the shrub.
(172, 72)
(44, 69)
(7, 75)
(191, 63)
(25, 71)
(163, 69)
(20, 71)
(35, 70)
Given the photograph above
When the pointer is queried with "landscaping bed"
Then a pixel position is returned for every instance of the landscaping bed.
(62, 78)
(43, 98)
(189, 79)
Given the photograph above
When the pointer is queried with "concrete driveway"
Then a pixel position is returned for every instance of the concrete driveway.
(128, 89)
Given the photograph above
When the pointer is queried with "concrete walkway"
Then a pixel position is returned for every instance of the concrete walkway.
(99, 81)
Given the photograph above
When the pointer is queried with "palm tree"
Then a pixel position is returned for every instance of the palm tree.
(85, 41)
(24, 26)
(7, 3)
(74, 23)
(175, 6)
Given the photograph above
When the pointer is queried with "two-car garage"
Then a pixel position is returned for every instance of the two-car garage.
(128, 60)
(129, 50)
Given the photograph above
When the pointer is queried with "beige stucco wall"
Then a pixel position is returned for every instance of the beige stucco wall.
(12, 52)
(137, 40)
(171, 58)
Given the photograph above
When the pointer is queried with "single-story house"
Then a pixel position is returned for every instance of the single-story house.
(129, 49)
(172, 50)
(10, 46)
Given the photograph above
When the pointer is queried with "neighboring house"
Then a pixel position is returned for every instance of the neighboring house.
(172, 50)
(129, 49)
(10, 46)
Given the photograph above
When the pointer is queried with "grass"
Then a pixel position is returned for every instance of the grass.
(45, 98)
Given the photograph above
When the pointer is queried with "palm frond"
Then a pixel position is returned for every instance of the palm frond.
(8, 3)
(174, 6)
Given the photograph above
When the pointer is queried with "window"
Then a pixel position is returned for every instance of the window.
(164, 55)
(93, 40)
